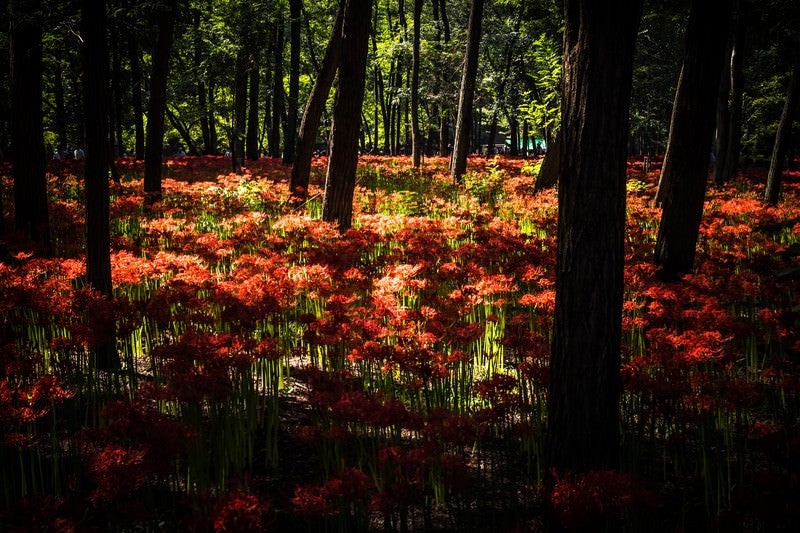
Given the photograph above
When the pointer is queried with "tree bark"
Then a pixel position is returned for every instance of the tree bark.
(583, 409)
(251, 142)
(309, 125)
(290, 134)
(461, 145)
(98, 244)
(734, 145)
(337, 205)
(278, 94)
(774, 176)
(550, 170)
(684, 174)
(416, 135)
(157, 105)
(238, 129)
(27, 139)
(136, 95)
(722, 134)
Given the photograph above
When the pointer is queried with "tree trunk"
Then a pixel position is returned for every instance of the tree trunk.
(58, 95)
(27, 139)
(526, 139)
(238, 129)
(278, 94)
(416, 135)
(183, 131)
(136, 95)
(98, 244)
(514, 126)
(251, 142)
(309, 125)
(722, 134)
(583, 409)
(734, 144)
(290, 134)
(341, 178)
(684, 173)
(550, 170)
(773, 189)
(200, 84)
(157, 105)
(458, 163)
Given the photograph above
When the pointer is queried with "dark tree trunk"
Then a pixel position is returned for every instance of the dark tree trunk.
(136, 95)
(251, 143)
(340, 182)
(723, 121)
(290, 134)
(773, 189)
(27, 139)
(183, 131)
(157, 105)
(684, 173)
(119, 95)
(550, 170)
(212, 121)
(583, 410)
(309, 125)
(58, 95)
(734, 145)
(239, 111)
(458, 163)
(278, 95)
(490, 142)
(514, 125)
(98, 246)
(416, 134)
(201, 86)
(526, 138)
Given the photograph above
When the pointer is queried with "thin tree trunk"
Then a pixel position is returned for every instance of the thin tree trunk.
(737, 91)
(200, 84)
(583, 407)
(27, 139)
(98, 247)
(158, 102)
(136, 96)
(277, 92)
(309, 125)
(416, 135)
(458, 163)
(239, 110)
(290, 135)
(183, 131)
(684, 174)
(251, 142)
(58, 95)
(774, 176)
(723, 121)
(337, 205)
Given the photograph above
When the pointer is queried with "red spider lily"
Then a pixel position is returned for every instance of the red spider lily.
(117, 471)
(584, 500)
(238, 511)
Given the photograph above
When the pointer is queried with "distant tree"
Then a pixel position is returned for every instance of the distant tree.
(337, 205)
(776, 164)
(157, 106)
(27, 137)
(251, 140)
(583, 410)
(290, 134)
(416, 134)
(309, 125)
(684, 174)
(238, 129)
(98, 254)
(461, 145)
(278, 93)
